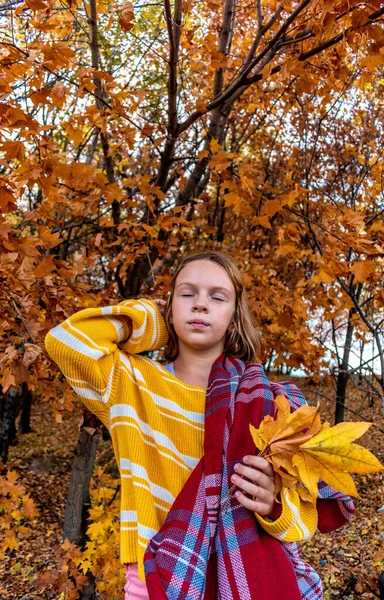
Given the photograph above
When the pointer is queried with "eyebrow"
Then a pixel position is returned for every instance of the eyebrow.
(216, 288)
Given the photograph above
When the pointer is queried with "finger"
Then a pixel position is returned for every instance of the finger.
(256, 476)
(160, 302)
(255, 505)
(262, 494)
(257, 462)
(251, 489)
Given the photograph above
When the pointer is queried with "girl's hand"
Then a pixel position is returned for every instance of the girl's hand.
(259, 483)
(160, 303)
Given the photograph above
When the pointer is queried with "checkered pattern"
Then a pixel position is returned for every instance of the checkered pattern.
(209, 549)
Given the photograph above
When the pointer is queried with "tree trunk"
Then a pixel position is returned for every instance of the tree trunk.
(89, 590)
(76, 510)
(25, 417)
(10, 407)
(78, 500)
(343, 375)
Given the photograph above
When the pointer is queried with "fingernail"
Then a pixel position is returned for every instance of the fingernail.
(246, 459)
(236, 467)
(237, 494)
(234, 478)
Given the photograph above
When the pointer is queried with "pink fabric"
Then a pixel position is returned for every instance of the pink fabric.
(134, 588)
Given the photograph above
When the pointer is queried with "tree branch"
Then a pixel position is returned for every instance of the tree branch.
(99, 93)
(242, 81)
(224, 42)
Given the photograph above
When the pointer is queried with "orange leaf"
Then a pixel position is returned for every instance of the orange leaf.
(50, 239)
(13, 150)
(263, 221)
(271, 207)
(363, 270)
(31, 352)
(36, 4)
(7, 200)
(214, 146)
(127, 15)
(46, 266)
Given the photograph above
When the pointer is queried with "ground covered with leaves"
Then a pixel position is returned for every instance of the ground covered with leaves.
(349, 560)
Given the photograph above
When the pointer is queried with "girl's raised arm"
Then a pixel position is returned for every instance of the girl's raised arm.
(86, 347)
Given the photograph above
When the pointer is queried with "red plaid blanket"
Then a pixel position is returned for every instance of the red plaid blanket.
(205, 551)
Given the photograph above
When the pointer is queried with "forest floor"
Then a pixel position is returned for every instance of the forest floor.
(348, 560)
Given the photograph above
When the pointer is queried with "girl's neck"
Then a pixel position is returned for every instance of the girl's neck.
(194, 367)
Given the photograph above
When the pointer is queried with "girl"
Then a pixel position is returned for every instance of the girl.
(180, 433)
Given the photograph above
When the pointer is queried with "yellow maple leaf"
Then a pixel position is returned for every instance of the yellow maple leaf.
(311, 470)
(302, 451)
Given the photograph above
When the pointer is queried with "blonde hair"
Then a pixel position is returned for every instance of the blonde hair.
(242, 339)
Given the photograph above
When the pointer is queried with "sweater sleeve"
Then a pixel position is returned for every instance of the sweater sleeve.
(297, 522)
(299, 519)
(86, 347)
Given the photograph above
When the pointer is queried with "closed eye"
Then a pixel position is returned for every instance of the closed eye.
(217, 298)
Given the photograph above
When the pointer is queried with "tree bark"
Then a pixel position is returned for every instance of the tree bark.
(10, 407)
(26, 403)
(343, 375)
(76, 511)
(78, 499)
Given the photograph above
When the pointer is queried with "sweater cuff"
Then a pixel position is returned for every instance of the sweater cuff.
(297, 522)
(280, 526)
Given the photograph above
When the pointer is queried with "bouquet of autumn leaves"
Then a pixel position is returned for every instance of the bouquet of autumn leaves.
(302, 450)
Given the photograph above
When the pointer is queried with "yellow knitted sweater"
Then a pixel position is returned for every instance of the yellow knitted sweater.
(156, 421)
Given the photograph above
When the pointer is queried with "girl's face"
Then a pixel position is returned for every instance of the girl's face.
(203, 306)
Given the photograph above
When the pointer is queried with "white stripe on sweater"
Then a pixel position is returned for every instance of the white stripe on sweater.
(297, 521)
(184, 461)
(125, 410)
(139, 471)
(70, 340)
(92, 394)
(128, 515)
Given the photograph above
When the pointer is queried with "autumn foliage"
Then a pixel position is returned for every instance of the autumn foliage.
(133, 133)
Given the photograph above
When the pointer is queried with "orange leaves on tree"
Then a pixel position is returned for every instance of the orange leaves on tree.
(13, 150)
(36, 5)
(363, 270)
(7, 199)
(127, 16)
(302, 451)
(101, 553)
(45, 267)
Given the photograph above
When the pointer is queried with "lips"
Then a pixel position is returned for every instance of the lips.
(198, 322)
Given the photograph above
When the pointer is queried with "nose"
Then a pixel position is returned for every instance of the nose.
(199, 306)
